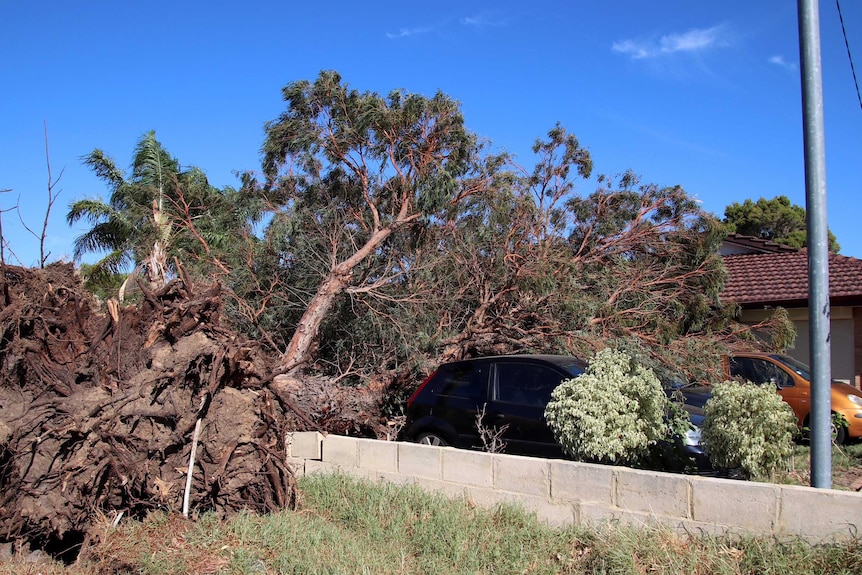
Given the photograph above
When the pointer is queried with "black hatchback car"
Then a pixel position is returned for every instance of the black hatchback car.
(513, 390)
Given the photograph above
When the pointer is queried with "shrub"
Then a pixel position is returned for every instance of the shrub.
(612, 413)
(749, 427)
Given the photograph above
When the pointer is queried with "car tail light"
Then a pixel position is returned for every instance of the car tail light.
(419, 389)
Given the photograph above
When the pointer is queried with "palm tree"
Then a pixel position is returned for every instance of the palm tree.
(159, 212)
(133, 228)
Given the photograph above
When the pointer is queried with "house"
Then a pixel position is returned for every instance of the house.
(763, 275)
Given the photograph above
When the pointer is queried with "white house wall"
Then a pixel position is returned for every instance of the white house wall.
(842, 329)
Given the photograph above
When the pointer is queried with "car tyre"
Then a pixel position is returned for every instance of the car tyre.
(839, 434)
(431, 439)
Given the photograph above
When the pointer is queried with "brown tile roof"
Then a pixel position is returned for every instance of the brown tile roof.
(781, 278)
(753, 244)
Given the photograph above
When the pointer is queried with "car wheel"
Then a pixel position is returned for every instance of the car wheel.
(839, 434)
(431, 439)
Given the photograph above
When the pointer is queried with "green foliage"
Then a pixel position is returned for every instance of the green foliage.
(664, 252)
(749, 427)
(777, 219)
(366, 148)
(535, 264)
(158, 202)
(389, 236)
(612, 413)
(839, 421)
(780, 333)
(99, 282)
(353, 180)
(125, 227)
(351, 526)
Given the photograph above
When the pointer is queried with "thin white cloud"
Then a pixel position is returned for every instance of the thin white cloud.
(634, 49)
(405, 32)
(483, 20)
(478, 21)
(780, 61)
(695, 40)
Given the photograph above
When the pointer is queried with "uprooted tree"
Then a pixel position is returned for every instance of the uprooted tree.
(532, 265)
(353, 177)
(380, 240)
(390, 235)
(99, 408)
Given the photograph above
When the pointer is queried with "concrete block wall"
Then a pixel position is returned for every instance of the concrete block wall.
(564, 492)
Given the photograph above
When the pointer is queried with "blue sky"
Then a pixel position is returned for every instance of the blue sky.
(701, 94)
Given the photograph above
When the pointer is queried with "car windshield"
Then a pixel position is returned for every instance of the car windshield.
(574, 369)
(796, 365)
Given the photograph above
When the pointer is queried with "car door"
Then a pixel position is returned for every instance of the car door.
(460, 391)
(520, 391)
(761, 370)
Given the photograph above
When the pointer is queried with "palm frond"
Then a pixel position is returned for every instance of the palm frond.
(111, 235)
(152, 164)
(92, 210)
(114, 263)
(104, 167)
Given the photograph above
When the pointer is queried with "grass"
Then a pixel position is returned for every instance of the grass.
(846, 467)
(348, 526)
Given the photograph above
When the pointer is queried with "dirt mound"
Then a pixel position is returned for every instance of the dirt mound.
(101, 406)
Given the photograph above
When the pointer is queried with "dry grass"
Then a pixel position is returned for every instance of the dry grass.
(349, 526)
(846, 467)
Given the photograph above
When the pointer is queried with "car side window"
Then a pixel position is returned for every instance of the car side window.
(771, 373)
(467, 380)
(740, 368)
(760, 371)
(525, 384)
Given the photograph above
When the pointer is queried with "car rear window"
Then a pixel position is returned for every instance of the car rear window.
(466, 380)
(575, 369)
(525, 384)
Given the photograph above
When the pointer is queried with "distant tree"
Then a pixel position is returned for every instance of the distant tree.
(777, 219)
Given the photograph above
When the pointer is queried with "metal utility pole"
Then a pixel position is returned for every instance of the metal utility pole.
(818, 243)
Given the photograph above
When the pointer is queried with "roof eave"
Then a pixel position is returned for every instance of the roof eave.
(837, 301)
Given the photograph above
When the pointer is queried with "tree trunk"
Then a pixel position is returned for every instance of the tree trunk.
(299, 350)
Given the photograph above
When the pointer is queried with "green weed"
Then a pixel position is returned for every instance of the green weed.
(349, 526)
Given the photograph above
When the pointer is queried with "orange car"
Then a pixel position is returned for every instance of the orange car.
(793, 381)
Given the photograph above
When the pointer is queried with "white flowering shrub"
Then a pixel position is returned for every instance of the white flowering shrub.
(612, 413)
(748, 427)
